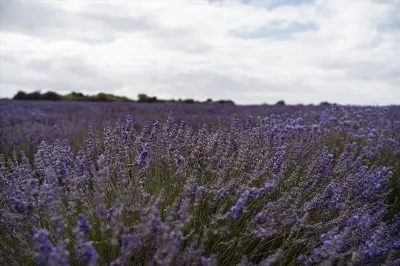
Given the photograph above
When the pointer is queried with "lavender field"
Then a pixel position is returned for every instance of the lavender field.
(198, 184)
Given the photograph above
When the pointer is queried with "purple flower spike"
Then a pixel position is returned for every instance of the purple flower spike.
(43, 246)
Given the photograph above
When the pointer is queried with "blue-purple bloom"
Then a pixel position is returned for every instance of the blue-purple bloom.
(43, 247)
(221, 193)
(318, 180)
(142, 158)
(86, 252)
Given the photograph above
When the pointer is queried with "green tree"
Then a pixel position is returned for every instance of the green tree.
(21, 95)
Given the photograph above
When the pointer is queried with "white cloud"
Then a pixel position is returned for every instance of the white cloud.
(331, 50)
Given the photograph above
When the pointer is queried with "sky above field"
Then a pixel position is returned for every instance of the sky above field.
(254, 51)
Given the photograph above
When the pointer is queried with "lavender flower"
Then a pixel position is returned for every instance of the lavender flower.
(180, 160)
(252, 187)
(221, 193)
(43, 247)
(261, 217)
(86, 252)
(211, 261)
(83, 227)
(83, 248)
(237, 210)
(143, 159)
(130, 243)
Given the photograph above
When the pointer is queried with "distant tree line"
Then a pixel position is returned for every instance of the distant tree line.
(73, 96)
(37, 96)
(143, 98)
(104, 97)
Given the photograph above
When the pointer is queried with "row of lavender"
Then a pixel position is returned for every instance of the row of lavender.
(25, 124)
(305, 186)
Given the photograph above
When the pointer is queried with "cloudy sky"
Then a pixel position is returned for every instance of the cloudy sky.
(253, 51)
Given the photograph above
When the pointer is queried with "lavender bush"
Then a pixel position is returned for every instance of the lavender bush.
(305, 186)
(25, 124)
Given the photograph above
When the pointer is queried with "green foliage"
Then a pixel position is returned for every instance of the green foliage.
(51, 96)
(104, 97)
(74, 96)
(189, 101)
(144, 98)
(20, 96)
(325, 104)
(36, 95)
(225, 102)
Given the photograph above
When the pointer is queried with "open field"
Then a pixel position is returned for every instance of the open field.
(205, 184)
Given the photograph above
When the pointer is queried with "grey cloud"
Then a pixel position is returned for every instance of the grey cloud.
(185, 43)
(96, 41)
(237, 87)
(204, 84)
(180, 39)
(364, 69)
(74, 66)
(132, 24)
(271, 4)
(276, 31)
(34, 17)
(67, 65)
(58, 85)
(40, 20)
(30, 17)
(37, 18)
(277, 3)
(7, 58)
(126, 24)
(39, 64)
(174, 38)
(382, 71)
(82, 70)
(218, 74)
(59, 74)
